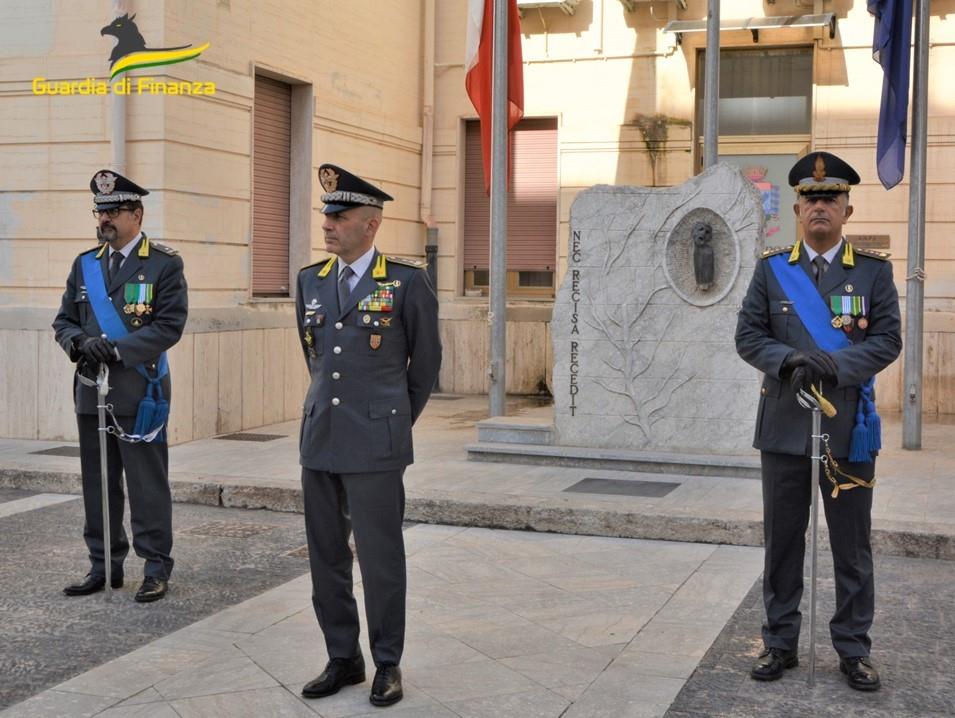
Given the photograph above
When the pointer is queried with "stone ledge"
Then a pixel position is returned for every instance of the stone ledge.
(647, 462)
(514, 430)
(527, 513)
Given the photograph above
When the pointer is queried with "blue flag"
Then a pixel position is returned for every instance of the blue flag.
(891, 47)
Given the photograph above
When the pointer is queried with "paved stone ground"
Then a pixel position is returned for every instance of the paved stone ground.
(501, 624)
(913, 643)
(46, 637)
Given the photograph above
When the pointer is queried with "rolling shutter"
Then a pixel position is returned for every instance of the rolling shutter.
(271, 150)
(532, 200)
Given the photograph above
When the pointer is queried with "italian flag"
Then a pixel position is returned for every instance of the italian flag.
(478, 64)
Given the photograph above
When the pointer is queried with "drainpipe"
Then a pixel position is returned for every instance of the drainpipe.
(118, 139)
(427, 146)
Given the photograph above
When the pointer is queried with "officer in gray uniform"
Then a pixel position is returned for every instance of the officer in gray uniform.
(143, 283)
(369, 329)
(859, 300)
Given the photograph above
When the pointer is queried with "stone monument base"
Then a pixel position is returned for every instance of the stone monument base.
(530, 442)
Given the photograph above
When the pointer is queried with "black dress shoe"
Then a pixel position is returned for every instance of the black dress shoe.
(386, 688)
(92, 584)
(338, 672)
(861, 673)
(772, 663)
(152, 590)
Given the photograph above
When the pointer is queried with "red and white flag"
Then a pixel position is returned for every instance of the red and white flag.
(478, 63)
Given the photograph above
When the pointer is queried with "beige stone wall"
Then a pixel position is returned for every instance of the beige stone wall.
(363, 63)
(222, 382)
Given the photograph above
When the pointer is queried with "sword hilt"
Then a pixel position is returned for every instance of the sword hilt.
(815, 401)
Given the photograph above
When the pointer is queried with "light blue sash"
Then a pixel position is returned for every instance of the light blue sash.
(814, 314)
(153, 408)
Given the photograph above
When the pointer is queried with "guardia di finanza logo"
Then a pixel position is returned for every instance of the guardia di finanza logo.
(131, 53)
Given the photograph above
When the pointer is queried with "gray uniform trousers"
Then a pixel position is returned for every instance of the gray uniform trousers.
(372, 505)
(150, 502)
(786, 501)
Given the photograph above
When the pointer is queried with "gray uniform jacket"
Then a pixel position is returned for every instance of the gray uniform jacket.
(768, 329)
(150, 332)
(372, 366)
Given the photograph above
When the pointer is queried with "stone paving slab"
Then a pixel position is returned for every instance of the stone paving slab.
(493, 630)
(47, 637)
(912, 641)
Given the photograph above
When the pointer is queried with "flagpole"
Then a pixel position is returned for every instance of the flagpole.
(915, 274)
(497, 314)
(711, 91)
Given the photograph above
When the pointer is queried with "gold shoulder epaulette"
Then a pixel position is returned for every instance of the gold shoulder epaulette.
(315, 264)
(775, 250)
(417, 263)
(329, 262)
(163, 248)
(874, 253)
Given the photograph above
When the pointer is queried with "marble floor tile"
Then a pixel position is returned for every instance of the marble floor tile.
(651, 663)
(618, 692)
(505, 642)
(539, 703)
(237, 673)
(125, 677)
(566, 666)
(150, 695)
(433, 649)
(144, 710)
(682, 638)
(59, 704)
(273, 702)
(425, 710)
(474, 679)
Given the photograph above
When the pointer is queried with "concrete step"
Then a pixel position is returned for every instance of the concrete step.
(650, 462)
(558, 514)
(514, 430)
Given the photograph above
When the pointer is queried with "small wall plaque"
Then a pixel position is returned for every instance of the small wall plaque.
(869, 241)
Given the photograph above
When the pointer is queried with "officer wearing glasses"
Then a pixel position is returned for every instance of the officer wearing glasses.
(132, 290)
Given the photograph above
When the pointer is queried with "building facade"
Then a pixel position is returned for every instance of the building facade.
(613, 95)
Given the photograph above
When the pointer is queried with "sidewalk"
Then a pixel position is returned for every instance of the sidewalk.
(913, 514)
(500, 624)
(525, 623)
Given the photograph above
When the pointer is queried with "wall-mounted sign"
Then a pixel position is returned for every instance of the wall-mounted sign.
(869, 241)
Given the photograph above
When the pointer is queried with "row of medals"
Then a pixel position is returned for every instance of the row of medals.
(844, 322)
(138, 309)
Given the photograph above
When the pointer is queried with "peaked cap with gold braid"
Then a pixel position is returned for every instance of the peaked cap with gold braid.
(822, 173)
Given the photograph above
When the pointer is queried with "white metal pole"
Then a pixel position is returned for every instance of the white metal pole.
(915, 274)
(497, 314)
(711, 92)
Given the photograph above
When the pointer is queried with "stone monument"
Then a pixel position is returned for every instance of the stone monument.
(644, 322)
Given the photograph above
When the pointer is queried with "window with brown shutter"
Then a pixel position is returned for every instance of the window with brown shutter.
(531, 210)
(271, 156)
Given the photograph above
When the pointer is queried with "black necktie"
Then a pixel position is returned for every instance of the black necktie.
(343, 290)
(819, 266)
(115, 259)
